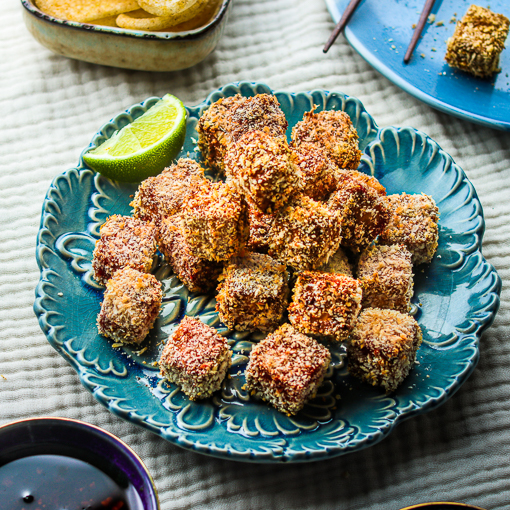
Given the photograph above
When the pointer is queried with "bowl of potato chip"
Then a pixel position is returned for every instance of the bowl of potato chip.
(147, 35)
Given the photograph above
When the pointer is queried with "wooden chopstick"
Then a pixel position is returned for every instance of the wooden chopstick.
(341, 24)
(419, 27)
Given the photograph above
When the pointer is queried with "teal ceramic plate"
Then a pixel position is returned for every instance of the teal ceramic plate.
(427, 76)
(456, 299)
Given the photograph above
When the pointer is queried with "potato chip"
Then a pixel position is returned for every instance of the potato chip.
(142, 20)
(200, 20)
(85, 10)
(173, 8)
(109, 21)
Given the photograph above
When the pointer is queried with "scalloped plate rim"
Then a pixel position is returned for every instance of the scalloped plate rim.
(225, 453)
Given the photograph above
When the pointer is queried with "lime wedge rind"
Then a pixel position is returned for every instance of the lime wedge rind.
(130, 155)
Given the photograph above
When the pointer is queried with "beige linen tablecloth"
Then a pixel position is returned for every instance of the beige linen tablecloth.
(51, 106)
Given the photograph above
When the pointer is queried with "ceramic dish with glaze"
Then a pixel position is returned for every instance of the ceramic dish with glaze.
(129, 49)
(427, 76)
(81, 443)
(456, 299)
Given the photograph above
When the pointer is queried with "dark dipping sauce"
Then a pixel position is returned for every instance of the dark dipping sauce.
(58, 482)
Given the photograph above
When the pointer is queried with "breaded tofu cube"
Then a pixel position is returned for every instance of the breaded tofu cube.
(477, 42)
(161, 196)
(413, 222)
(325, 304)
(124, 241)
(316, 171)
(332, 131)
(213, 132)
(386, 275)
(258, 113)
(130, 306)
(382, 347)
(360, 200)
(305, 234)
(196, 358)
(286, 369)
(199, 275)
(215, 222)
(253, 293)
(260, 226)
(262, 169)
(338, 264)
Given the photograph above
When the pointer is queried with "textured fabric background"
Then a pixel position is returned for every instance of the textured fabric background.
(49, 109)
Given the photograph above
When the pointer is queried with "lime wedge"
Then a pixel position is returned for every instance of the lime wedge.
(144, 147)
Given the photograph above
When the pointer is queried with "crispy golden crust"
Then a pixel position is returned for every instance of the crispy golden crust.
(130, 306)
(196, 358)
(229, 118)
(413, 222)
(333, 132)
(478, 41)
(258, 113)
(215, 222)
(262, 169)
(214, 132)
(305, 234)
(360, 201)
(253, 293)
(386, 275)
(338, 264)
(371, 182)
(316, 171)
(124, 241)
(286, 369)
(163, 195)
(325, 304)
(260, 226)
(199, 275)
(382, 347)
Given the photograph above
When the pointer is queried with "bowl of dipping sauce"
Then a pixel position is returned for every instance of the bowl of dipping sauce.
(442, 505)
(181, 48)
(50, 463)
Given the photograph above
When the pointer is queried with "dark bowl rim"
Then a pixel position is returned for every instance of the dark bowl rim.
(94, 428)
(450, 504)
(31, 8)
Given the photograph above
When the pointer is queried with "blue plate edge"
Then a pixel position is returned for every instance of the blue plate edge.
(482, 324)
(406, 86)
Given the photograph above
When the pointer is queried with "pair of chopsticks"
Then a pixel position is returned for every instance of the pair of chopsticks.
(346, 16)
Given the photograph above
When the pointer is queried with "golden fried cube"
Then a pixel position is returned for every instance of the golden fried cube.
(360, 200)
(215, 222)
(196, 358)
(386, 275)
(305, 234)
(199, 275)
(332, 131)
(130, 306)
(477, 42)
(214, 132)
(316, 170)
(382, 347)
(124, 242)
(325, 304)
(286, 369)
(253, 293)
(161, 196)
(262, 169)
(413, 223)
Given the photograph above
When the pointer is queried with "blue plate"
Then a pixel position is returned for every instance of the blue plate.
(381, 31)
(456, 299)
